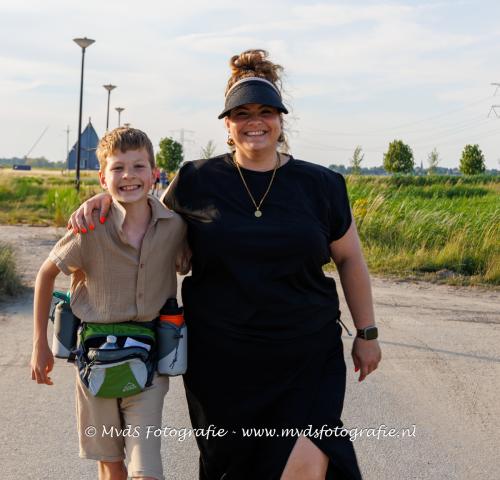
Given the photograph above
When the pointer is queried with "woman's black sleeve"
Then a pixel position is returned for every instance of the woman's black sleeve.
(177, 193)
(339, 208)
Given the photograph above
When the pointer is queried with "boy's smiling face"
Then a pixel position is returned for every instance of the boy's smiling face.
(128, 176)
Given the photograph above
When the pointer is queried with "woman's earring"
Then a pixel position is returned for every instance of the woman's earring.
(230, 141)
(281, 138)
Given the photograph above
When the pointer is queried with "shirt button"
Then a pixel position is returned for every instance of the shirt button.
(142, 265)
(140, 295)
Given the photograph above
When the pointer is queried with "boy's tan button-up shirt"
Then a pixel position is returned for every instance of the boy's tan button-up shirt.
(112, 281)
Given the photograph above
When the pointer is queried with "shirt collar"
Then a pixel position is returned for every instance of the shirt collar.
(158, 211)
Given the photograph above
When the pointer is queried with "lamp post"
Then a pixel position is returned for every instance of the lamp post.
(119, 110)
(83, 43)
(108, 87)
(67, 147)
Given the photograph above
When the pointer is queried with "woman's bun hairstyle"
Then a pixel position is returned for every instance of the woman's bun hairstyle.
(254, 63)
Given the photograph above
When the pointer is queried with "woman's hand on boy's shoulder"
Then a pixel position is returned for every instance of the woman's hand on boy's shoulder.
(82, 219)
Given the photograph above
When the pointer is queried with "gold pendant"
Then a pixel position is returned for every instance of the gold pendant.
(258, 213)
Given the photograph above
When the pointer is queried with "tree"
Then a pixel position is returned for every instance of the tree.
(209, 150)
(472, 161)
(356, 160)
(398, 158)
(433, 160)
(339, 169)
(170, 155)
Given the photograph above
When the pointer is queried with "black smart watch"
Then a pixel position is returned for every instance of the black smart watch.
(368, 333)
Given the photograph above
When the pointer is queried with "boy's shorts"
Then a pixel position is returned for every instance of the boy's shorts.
(102, 427)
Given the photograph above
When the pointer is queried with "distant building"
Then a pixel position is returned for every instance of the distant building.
(88, 145)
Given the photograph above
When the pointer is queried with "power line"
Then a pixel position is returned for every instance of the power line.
(182, 136)
(67, 146)
(461, 123)
(390, 130)
(493, 109)
(418, 143)
(36, 142)
(488, 134)
(455, 131)
(321, 146)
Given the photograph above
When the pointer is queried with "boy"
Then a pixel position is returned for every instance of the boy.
(123, 271)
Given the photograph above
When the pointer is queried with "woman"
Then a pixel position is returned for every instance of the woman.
(265, 347)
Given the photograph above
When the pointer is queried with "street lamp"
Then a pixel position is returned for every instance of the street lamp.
(108, 87)
(119, 110)
(83, 43)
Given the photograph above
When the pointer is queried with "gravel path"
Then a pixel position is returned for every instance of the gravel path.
(440, 378)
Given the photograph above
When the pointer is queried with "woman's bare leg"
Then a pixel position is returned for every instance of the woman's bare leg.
(306, 462)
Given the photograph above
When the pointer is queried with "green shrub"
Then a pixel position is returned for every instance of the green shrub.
(472, 160)
(61, 202)
(398, 158)
(10, 283)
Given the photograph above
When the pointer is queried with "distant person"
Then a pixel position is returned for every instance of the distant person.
(265, 347)
(163, 179)
(123, 272)
(156, 185)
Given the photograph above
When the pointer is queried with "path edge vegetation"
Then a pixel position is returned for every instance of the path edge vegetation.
(10, 281)
(443, 229)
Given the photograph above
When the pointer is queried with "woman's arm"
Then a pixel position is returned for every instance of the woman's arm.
(348, 257)
(81, 219)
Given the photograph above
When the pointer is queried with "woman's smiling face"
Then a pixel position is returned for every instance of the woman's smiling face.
(254, 127)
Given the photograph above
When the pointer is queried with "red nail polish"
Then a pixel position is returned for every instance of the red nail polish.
(84, 230)
(102, 219)
(91, 227)
(356, 369)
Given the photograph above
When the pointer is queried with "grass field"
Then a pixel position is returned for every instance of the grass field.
(434, 227)
(42, 197)
(437, 227)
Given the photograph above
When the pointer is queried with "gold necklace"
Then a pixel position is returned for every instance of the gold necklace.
(258, 211)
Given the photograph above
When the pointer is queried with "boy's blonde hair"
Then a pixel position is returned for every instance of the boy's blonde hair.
(123, 139)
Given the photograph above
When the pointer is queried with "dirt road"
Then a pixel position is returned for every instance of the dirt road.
(439, 378)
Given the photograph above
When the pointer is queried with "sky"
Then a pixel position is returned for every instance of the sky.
(356, 73)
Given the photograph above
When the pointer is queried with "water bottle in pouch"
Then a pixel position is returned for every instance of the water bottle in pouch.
(65, 330)
(172, 340)
(109, 344)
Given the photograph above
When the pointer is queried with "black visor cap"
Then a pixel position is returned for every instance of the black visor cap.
(253, 91)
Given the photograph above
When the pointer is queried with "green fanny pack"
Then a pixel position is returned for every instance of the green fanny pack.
(122, 371)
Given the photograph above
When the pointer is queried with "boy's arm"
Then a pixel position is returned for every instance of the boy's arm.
(183, 259)
(42, 359)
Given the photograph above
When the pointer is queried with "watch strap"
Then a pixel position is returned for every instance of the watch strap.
(368, 333)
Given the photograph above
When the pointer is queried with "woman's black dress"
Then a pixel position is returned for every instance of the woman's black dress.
(265, 350)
